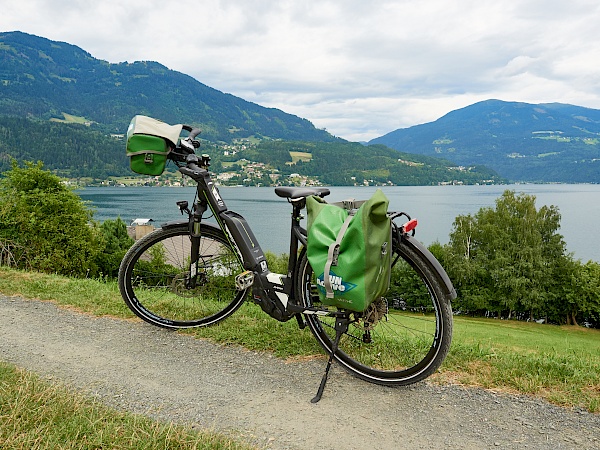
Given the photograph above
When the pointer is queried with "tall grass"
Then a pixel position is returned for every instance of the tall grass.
(35, 414)
(560, 364)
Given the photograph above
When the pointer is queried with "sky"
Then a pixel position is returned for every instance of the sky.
(358, 68)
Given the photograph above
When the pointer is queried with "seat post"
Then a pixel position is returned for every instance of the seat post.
(297, 205)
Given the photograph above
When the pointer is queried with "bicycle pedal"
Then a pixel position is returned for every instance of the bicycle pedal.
(244, 280)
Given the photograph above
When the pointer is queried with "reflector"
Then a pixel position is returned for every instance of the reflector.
(410, 225)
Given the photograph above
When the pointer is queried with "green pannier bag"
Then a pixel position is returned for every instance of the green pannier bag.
(149, 141)
(349, 249)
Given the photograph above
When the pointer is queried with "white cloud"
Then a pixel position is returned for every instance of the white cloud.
(359, 69)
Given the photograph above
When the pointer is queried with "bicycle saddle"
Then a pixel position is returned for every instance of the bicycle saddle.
(301, 192)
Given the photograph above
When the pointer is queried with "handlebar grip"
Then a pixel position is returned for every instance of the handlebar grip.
(193, 131)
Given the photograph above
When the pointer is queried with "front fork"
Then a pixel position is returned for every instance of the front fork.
(195, 219)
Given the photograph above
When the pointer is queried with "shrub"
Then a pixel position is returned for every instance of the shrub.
(116, 244)
(49, 224)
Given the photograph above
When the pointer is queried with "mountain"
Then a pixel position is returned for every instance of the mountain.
(44, 79)
(76, 151)
(69, 150)
(523, 142)
(60, 105)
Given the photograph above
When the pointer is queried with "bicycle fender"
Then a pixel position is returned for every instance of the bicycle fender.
(174, 224)
(433, 264)
(185, 223)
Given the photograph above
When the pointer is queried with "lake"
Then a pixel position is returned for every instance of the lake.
(434, 206)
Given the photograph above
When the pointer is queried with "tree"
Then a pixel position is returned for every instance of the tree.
(506, 258)
(116, 244)
(47, 221)
(583, 295)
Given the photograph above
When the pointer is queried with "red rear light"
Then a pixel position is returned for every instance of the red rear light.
(410, 225)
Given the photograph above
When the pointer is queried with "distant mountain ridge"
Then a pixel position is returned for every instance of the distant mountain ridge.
(44, 80)
(61, 106)
(550, 142)
(40, 78)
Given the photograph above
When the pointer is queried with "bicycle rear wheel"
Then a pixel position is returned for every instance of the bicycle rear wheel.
(154, 274)
(399, 339)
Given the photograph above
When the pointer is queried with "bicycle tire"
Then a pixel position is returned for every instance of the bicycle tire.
(413, 329)
(153, 273)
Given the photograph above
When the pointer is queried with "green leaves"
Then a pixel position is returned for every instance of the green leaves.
(47, 221)
(512, 258)
(116, 242)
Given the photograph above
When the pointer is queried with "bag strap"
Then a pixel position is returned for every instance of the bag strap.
(333, 254)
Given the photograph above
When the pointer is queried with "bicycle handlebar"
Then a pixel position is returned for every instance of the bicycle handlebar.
(193, 131)
(194, 165)
(187, 145)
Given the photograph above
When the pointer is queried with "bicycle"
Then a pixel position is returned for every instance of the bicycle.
(189, 273)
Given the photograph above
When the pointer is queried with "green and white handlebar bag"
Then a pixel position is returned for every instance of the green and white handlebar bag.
(349, 249)
(149, 141)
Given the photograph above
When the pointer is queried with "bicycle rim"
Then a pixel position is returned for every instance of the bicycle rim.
(155, 273)
(401, 338)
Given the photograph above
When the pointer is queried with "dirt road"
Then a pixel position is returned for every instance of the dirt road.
(266, 401)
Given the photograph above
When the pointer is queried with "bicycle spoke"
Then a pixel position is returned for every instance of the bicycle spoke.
(387, 345)
(158, 286)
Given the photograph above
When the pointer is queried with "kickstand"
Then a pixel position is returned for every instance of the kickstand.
(341, 326)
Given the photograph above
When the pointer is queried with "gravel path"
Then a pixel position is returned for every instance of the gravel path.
(266, 401)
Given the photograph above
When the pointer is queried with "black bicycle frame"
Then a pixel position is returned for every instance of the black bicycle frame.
(275, 293)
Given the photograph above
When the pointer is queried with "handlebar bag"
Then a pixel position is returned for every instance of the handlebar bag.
(149, 141)
(349, 249)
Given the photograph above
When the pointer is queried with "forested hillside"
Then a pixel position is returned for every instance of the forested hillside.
(523, 142)
(75, 151)
(351, 163)
(70, 150)
(44, 79)
(62, 106)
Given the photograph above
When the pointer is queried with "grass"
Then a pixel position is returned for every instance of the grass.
(560, 364)
(35, 414)
(300, 156)
(69, 118)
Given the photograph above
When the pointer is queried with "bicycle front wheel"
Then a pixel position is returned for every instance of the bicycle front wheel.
(399, 339)
(154, 278)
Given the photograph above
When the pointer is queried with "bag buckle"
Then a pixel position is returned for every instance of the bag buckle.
(148, 159)
(349, 204)
(335, 256)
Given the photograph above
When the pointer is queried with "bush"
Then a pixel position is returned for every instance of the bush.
(49, 226)
(116, 244)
